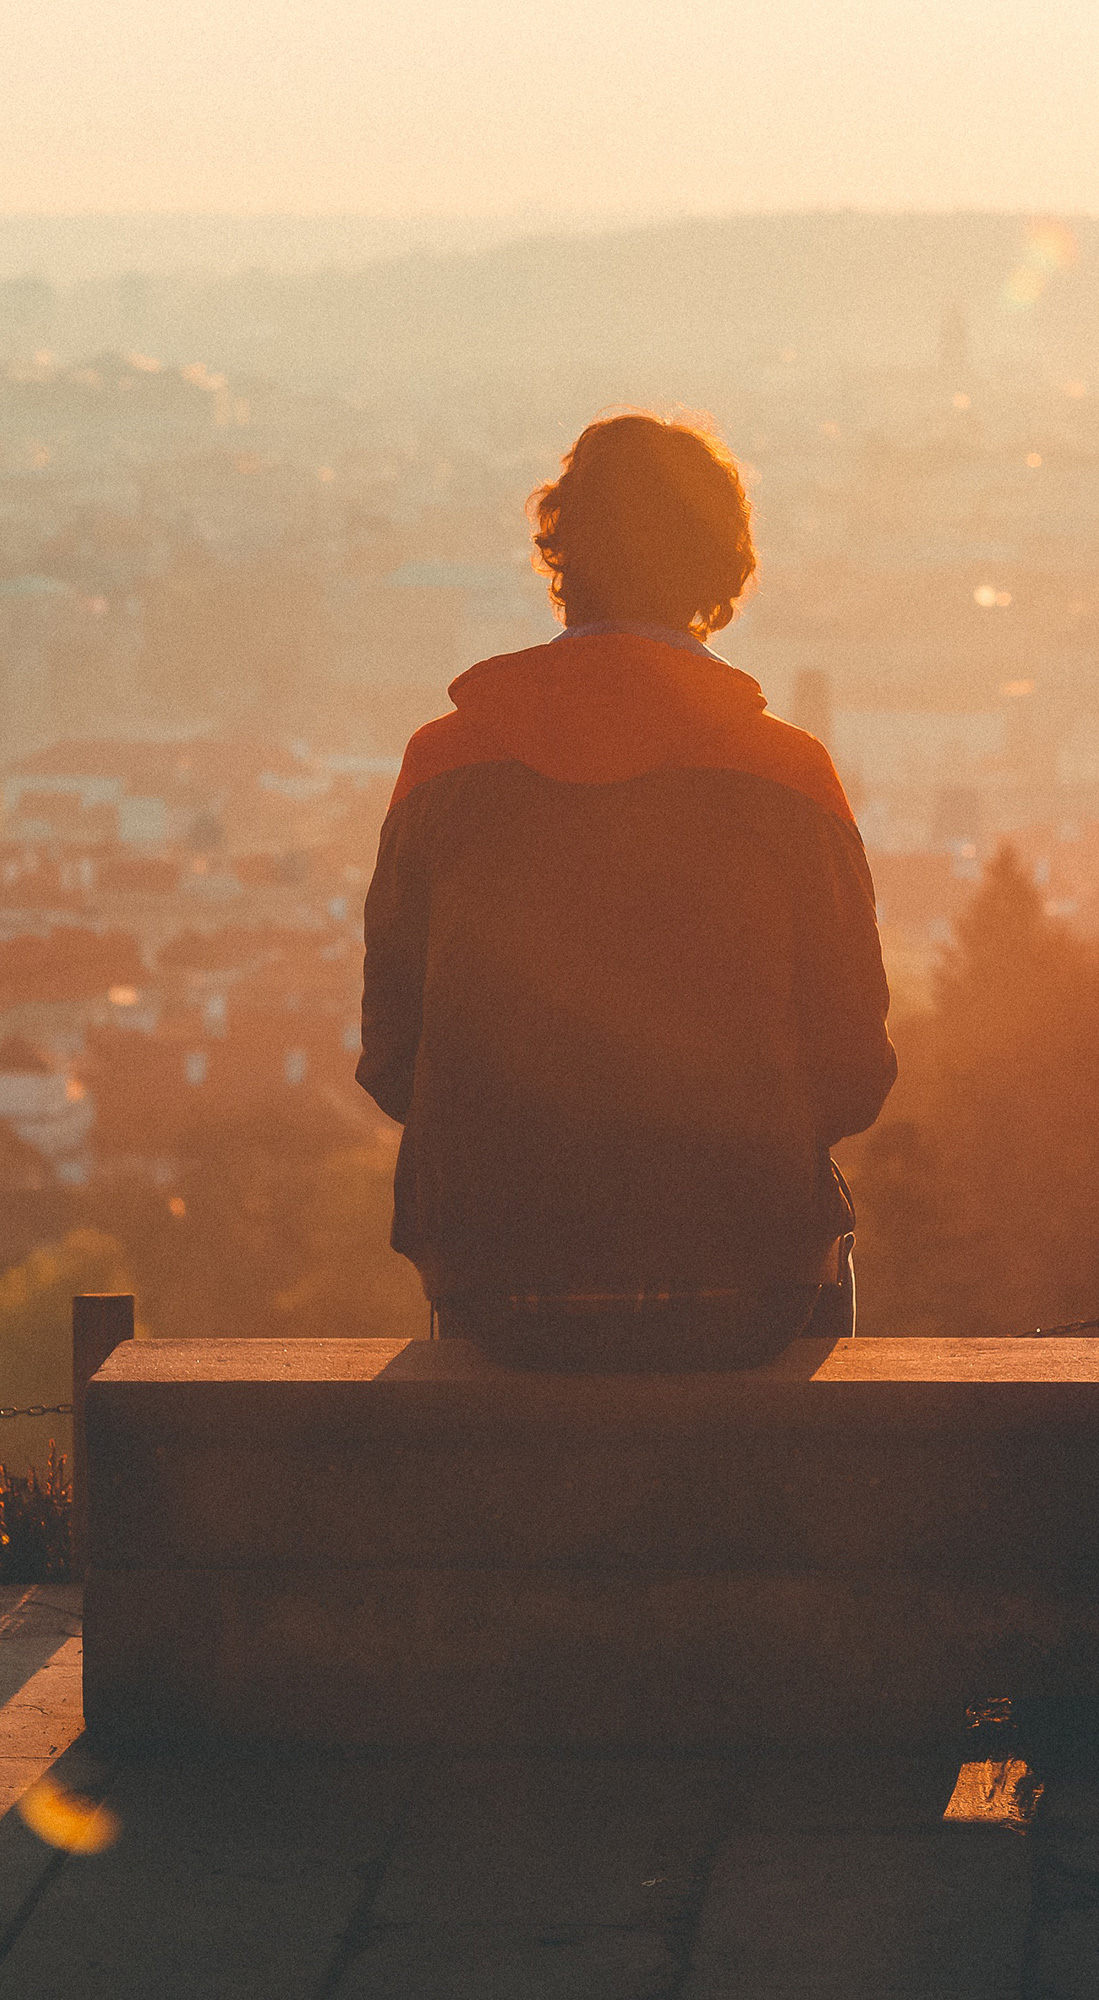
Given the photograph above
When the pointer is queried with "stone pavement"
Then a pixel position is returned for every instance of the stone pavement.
(550, 1877)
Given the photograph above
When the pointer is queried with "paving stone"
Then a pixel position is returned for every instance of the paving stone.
(503, 1963)
(177, 1934)
(540, 1841)
(17, 1775)
(1063, 1957)
(52, 1694)
(1078, 1854)
(904, 1916)
(23, 1863)
(40, 1718)
(845, 1791)
(39, 1730)
(1070, 1803)
(228, 1882)
(40, 1678)
(1063, 1947)
(35, 1621)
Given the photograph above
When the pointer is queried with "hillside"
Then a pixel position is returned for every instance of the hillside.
(707, 298)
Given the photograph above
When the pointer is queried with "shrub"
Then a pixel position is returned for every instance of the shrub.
(36, 1524)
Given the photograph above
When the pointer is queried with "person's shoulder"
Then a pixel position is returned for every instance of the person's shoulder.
(445, 744)
(791, 757)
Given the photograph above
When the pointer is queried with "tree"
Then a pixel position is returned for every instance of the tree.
(276, 1227)
(976, 1189)
(351, 1281)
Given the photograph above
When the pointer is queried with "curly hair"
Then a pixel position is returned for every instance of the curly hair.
(648, 520)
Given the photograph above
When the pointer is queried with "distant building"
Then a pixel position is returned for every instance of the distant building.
(45, 1108)
(35, 615)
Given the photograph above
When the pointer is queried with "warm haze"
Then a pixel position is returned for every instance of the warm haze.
(620, 107)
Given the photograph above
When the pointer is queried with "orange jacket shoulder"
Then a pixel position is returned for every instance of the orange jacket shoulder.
(773, 749)
(443, 745)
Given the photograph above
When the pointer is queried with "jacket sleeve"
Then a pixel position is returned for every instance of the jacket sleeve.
(844, 994)
(395, 931)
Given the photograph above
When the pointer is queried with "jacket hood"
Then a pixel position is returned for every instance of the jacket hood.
(602, 708)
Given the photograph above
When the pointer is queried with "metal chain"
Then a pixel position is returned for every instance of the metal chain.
(41, 1410)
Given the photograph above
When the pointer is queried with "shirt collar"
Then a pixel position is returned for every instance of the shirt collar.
(667, 635)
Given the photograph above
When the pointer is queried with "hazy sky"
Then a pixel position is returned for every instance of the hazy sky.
(491, 106)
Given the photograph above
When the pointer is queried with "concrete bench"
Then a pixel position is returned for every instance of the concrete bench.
(395, 1544)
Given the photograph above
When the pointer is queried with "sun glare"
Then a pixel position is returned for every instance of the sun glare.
(67, 1819)
(1051, 245)
(1025, 286)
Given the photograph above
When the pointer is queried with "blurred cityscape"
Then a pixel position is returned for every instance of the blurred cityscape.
(253, 521)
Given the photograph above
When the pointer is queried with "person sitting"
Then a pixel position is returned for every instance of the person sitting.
(623, 983)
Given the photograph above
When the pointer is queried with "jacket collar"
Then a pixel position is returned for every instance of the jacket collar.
(595, 708)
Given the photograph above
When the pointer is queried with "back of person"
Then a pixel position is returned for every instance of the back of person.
(623, 983)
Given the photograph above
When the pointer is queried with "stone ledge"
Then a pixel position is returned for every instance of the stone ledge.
(235, 1389)
(1067, 1360)
(310, 1454)
(371, 1542)
(481, 1660)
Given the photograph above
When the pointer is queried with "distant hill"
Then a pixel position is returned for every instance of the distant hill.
(71, 249)
(699, 300)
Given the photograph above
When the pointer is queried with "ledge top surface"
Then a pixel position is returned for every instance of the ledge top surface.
(960, 1359)
(1072, 1360)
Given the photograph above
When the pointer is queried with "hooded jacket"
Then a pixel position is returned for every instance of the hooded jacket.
(623, 984)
